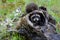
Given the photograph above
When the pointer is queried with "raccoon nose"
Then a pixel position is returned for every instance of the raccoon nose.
(36, 19)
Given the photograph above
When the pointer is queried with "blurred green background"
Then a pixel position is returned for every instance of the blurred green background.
(11, 10)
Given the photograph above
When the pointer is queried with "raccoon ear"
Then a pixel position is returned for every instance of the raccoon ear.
(43, 8)
(31, 7)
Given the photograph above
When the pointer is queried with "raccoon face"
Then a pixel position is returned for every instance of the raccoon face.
(37, 18)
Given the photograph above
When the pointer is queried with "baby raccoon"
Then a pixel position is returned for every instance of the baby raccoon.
(33, 25)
